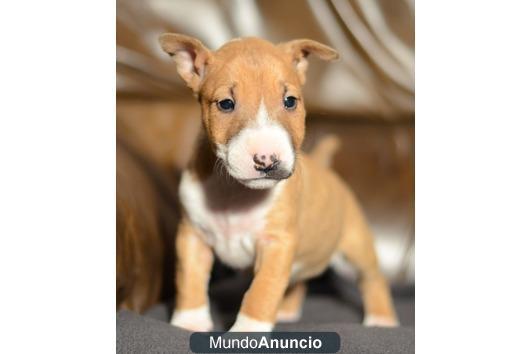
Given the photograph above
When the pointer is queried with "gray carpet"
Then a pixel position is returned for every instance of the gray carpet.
(332, 304)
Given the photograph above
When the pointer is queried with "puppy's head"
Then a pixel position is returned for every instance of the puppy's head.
(251, 97)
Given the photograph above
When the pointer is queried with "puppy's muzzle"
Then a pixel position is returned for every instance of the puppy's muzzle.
(270, 166)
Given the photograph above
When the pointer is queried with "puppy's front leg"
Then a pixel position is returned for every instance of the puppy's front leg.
(272, 271)
(194, 263)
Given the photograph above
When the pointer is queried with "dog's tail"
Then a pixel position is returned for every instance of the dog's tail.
(324, 150)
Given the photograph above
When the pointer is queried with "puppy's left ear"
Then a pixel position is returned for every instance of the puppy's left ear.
(299, 49)
(190, 55)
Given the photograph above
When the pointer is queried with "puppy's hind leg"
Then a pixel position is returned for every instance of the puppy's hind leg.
(291, 306)
(357, 247)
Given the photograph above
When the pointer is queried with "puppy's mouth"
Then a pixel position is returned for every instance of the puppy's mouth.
(256, 178)
(276, 174)
(265, 180)
(266, 177)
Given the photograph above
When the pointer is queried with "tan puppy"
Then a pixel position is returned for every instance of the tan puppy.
(252, 198)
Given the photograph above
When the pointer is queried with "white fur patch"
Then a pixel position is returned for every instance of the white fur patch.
(247, 324)
(260, 183)
(229, 215)
(379, 321)
(262, 117)
(296, 268)
(289, 317)
(343, 267)
(197, 320)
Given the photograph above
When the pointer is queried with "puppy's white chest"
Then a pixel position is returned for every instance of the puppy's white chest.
(233, 235)
(230, 217)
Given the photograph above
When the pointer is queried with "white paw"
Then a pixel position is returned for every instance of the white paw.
(288, 317)
(380, 321)
(196, 320)
(247, 324)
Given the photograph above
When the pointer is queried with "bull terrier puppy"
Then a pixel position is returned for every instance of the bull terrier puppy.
(252, 198)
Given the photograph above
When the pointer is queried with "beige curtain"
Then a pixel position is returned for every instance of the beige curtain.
(374, 78)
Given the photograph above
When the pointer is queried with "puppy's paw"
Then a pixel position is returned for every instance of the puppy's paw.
(246, 324)
(195, 320)
(380, 321)
(288, 316)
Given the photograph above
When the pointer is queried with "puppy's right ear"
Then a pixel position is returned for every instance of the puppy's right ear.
(190, 55)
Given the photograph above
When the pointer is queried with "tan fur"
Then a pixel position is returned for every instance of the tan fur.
(194, 262)
(313, 217)
(291, 306)
(325, 149)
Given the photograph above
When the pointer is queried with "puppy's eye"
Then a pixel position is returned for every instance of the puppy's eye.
(226, 105)
(290, 102)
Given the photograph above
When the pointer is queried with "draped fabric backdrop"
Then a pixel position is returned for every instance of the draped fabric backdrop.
(366, 99)
(375, 76)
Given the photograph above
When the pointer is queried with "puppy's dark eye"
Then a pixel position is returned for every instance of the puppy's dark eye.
(226, 105)
(290, 102)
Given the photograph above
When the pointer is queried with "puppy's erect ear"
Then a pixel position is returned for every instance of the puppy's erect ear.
(299, 49)
(190, 55)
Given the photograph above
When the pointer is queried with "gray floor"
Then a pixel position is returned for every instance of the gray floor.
(332, 304)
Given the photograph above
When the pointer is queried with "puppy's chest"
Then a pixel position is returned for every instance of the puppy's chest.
(229, 217)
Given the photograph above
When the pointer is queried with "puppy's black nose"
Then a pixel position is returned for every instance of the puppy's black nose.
(265, 163)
